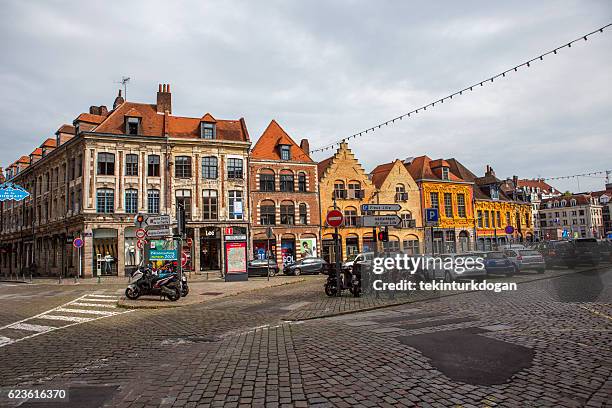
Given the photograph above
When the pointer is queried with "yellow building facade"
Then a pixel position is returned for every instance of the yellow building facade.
(492, 218)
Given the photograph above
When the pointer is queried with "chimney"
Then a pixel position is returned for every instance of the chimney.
(118, 100)
(305, 146)
(164, 99)
(103, 110)
(490, 171)
(94, 110)
(515, 181)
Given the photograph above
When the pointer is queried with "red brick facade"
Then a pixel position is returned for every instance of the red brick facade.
(294, 216)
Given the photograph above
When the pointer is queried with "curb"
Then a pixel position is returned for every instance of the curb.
(15, 281)
(370, 308)
(172, 305)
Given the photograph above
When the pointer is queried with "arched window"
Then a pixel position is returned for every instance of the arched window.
(287, 213)
(286, 181)
(266, 180)
(573, 202)
(302, 182)
(407, 221)
(400, 193)
(303, 214)
(563, 203)
(267, 211)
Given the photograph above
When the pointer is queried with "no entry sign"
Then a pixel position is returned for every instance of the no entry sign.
(334, 218)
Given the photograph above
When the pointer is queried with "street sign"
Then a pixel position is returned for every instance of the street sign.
(162, 232)
(146, 220)
(78, 242)
(162, 255)
(334, 218)
(509, 229)
(140, 243)
(431, 216)
(183, 259)
(380, 220)
(141, 233)
(189, 242)
(10, 191)
(380, 207)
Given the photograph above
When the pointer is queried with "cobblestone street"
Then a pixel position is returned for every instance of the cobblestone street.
(546, 345)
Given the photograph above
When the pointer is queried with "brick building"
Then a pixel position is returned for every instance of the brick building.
(97, 173)
(284, 196)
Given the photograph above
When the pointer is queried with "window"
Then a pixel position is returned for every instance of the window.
(486, 219)
(494, 192)
(350, 217)
(302, 182)
(339, 191)
(183, 199)
(445, 173)
(131, 164)
(448, 205)
(106, 164)
(132, 126)
(209, 205)
(267, 211)
(153, 201)
(209, 167)
(266, 181)
(131, 201)
(411, 246)
(153, 166)
(479, 219)
(105, 200)
(407, 221)
(235, 204)
(234, 168)
(79, 168)
(508, 222)
(400, 193)
(354, 190)
(182, 167)
(287, 213)
(499, 220)
(285, 152)
(286, 182)
(461, 205)
(303, 214)
(208, 130)
(433, 197)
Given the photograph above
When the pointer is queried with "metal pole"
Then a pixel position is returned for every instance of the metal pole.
(338, 259)
(267, 255)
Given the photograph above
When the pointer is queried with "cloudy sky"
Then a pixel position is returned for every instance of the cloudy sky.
(326, 69)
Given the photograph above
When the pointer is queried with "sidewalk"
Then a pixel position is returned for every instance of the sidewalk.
(203, 291)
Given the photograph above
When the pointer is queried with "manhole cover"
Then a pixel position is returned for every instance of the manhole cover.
(211, 293)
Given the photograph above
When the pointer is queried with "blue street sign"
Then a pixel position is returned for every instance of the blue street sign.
(565, 234)
(78, 242)
(431, 215)
(10, 191)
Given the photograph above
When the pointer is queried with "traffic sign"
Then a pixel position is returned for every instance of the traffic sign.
(146, 220)
(380, 207)
(189, 242)
(141, 233)
(140, 243)
(509, 229)
(380, 220)
(334, 218)
(78, 242)
(183, 259)
(11, 191)
(156, 233)
(431, 216)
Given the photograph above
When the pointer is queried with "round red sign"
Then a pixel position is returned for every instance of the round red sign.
(184, 259)
(334, 218)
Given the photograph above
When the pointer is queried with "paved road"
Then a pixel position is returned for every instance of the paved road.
(548, 344)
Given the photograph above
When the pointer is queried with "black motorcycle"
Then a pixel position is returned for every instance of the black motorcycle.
(349, 279)
(145, 282)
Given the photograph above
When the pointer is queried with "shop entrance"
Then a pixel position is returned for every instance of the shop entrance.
(328, 250)
(210, 249)
(105, 251)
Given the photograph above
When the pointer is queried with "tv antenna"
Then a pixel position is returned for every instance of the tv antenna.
(124, 81)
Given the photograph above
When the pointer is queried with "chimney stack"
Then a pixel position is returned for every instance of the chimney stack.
(118, 100)
(164, 99)
(305, 146)
(515, 181)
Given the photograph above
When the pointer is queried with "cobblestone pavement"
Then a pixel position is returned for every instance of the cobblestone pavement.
(549, 344)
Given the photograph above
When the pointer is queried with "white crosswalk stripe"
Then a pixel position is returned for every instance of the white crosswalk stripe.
(86, 308)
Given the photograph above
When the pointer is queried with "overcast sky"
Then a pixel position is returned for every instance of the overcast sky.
(326, 69)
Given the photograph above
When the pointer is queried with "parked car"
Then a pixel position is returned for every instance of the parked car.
(477, 272)
(526, 259)
(581, 251)
(605, 250)
(496, 262)
(259, 267)
(586, 251)
(357, 258)
(310, 265)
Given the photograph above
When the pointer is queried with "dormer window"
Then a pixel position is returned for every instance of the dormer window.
(445, 173)
(494, 193)
(207, 130)
(285, 152)
(132, 125)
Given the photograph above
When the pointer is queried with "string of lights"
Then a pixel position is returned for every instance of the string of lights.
(593, 173)
(460, 92)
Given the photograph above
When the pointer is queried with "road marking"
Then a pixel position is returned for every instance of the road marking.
(5, 340)
(67, 318)
(91, 304)
(86, 311)
(31, 327)
(94, 295)
(597, 313)
(114, 300)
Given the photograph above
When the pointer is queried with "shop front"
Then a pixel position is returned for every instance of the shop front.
(261, 250)
(105, 251)
(288, 249)
(210, 249)
(328, 249)
(132, 255)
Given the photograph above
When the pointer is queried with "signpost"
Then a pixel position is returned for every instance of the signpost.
(159, 233)
(78, 243)
(146, 220)
(380, 220)
(431, 220)
(380, 207)
(141, 233)
(334, 218)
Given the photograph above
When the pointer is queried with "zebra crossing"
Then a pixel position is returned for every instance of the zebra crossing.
(84, 309)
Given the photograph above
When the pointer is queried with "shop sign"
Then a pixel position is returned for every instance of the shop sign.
(235, 237)
(162, 255)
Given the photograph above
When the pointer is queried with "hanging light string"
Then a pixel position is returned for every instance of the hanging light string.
(491, 79)
(594, 173)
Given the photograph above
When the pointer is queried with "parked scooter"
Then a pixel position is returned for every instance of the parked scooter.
(145, 282)
(349, 279)
(168, 269)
